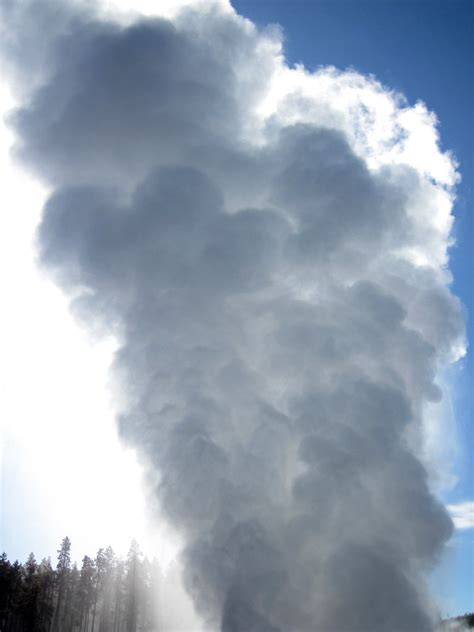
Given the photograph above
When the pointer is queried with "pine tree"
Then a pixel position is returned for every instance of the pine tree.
(63, 573)
(147, 609)
(119, 595)
(28, 598)
(5, 590)
(106, 615)
(15, 618)
(132, 587)
(46, 596)
(86, 592)
(72, 606)
(100, 568)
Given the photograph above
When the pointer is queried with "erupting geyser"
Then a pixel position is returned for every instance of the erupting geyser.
(269, 246)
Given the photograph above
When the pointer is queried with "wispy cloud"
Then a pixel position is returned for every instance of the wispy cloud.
(462, 514)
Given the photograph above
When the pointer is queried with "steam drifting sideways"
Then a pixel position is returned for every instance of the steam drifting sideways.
(269, 246)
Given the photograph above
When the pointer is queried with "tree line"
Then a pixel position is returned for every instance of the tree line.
(465, 620)
(106, 594)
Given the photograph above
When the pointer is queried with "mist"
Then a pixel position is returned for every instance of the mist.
(269, 246)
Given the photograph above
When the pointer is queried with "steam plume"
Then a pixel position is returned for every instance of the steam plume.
(270, 248)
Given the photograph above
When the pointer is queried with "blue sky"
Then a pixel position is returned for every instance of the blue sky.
(424, 49)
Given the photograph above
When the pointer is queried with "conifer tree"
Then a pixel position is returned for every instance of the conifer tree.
(132, 587)
(46, 596)
(106, 617)
(28, 599)
(5, 590)
(119, 595)
(86, 592)
(100, 567)
(62, 577)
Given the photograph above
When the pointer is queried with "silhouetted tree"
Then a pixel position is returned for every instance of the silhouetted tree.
(62, 576)
(29, 596)
(5, 590)
(46, 595)
(86, 592)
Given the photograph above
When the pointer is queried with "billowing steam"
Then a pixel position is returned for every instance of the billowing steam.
(270, 248)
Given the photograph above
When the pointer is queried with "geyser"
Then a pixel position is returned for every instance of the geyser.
(271, 253)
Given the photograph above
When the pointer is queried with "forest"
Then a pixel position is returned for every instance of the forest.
(106, 594)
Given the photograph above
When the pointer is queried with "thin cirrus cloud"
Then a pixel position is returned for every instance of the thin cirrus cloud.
(269, 247)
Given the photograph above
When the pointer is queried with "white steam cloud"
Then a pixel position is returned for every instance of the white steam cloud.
(269, 246)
